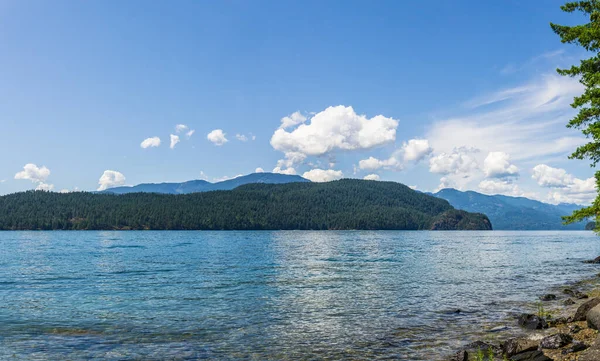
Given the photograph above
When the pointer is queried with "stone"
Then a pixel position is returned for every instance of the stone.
(548, 297)
(460, 356)
(557, 321)
(593, 318)
(569, 291)
(532, 322)
(514, 346)
(592, 353)
(594, 261)
(568, 302)
(531, 356)
(581, 296)
(576, 347)
(555, 341)
(580, 314)
(575, 328)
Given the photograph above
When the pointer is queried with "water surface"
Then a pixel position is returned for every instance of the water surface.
(271, 295)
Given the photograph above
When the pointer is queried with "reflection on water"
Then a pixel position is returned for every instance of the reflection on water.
(271, 295)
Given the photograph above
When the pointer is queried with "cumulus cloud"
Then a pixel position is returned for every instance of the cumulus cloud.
(288, 171)
(499, 186)
(460, 160)
(321, 175)
(217, 137)
(335, 128)
(190, 133)
(33, 173)
(373, 163)
(174, 141)
(416, 149)
(547, 176)
(111, 178)
(565, 187)
(374, 177)
(259, 170)
(150, 142)
(292, 120)
(44, 187)
(497, 165)
(241, 137)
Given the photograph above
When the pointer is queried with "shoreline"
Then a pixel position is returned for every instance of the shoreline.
(555, 328)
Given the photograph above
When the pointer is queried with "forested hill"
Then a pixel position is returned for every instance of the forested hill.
(344, 204)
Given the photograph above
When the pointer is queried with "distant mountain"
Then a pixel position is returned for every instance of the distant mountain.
(512, 213)
(196, 186)
(337, 205)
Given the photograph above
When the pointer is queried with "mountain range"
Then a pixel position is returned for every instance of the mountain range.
(505, 212)
(512, 213)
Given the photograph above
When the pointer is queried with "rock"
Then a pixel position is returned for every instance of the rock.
(568, 291)
(514, 346)
(592, 353)
(576, 347)
(568, 302)
(593, 317)
(557, 321)
(460, 356)
(594, 261)
(575, 328)
(498, 329)
(531, 356)
(548, 297)
(581, 296)
(584, 308)
(556, 341)
(532, 322)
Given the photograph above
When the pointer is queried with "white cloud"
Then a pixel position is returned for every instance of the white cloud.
(174, 141)
(224, 178)
(259, 170)
(181, 128)
(321, 175)
(414, 188)
(217, 136)
(416, 149)
(203, 176)
(547, 176)
(499, 186)
(373, 163)
(292, 120)
(33, 173)
(190, 133)
(509, 119)
(291, 159)
(459, 161)
(150, 142)
(241, 137)
(2, 180)
(335, 128)
(288, 171)
(497, 165)
(44, 187)
(111, 178)
(374, 177)
(565, 187)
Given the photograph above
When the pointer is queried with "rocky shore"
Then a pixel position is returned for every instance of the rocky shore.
(564, 328)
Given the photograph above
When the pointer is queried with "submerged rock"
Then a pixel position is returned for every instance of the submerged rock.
(556, 341)
(531, 356)
(460, 356)
(580, 314)
(515, 346)
(548, 297)
(532, 322)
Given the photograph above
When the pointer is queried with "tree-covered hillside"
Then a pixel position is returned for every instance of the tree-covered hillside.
(344, 204)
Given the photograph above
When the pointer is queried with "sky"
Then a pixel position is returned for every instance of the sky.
(434, 94)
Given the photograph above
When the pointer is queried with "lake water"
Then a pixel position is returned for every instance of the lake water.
(272, 295)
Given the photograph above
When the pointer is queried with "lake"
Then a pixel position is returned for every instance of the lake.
(285, 295)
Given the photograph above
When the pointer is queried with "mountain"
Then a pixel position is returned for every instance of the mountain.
(512, 213)
(343, 204)
(195, 186)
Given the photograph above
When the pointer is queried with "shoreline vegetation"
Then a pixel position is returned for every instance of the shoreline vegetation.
(562, 326)
(347, 204)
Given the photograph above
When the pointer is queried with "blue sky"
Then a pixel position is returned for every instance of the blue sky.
(471, 83)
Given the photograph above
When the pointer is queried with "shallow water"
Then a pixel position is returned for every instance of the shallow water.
(271, 295)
